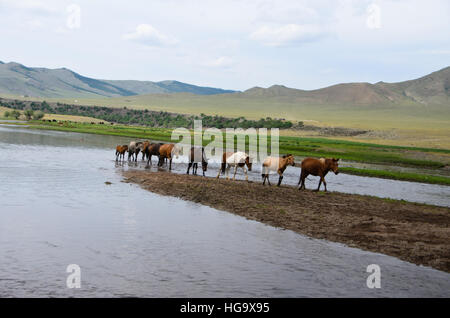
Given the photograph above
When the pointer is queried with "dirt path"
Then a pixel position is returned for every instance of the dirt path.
(415, 233)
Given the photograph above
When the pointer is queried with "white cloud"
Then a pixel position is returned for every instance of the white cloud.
(287, 35)
(148, 35)
(32, 6)
(220, 62)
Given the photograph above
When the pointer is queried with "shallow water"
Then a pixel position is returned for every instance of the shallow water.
(57, 210)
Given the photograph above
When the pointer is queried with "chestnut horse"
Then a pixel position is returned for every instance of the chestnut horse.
(236, 159)
(197, 155)
(152, 150)
(317, 167)
(276, 164)
(166, 151)
(120, 151)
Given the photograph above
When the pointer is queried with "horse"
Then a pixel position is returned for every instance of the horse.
(120, 151)
(196, 155)
(143, 147)
(276, 164)
(133, 150)
(166, 151)
(152, 150)
(317, 167)
(236, 159)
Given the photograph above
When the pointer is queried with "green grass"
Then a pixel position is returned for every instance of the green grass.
(300, 147)
(405, 176)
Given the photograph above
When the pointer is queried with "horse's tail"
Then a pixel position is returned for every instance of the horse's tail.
(223, 167)
(300, 179)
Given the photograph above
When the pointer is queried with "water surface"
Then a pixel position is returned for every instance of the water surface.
(57, 210)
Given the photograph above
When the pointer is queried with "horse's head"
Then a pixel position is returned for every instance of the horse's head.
(289, 159)
(248, 163)
(333, 165)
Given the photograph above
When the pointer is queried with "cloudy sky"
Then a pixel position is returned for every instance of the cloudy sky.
(232, 44)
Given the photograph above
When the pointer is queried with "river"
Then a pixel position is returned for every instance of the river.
(57, 210)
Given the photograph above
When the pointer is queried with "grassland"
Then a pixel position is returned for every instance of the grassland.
(405, 176)
(349, 151)
(402, 124)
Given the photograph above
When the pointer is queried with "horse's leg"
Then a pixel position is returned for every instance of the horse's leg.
(320, 183)
(235, 170)
(170, 163)
(218, 174)
(227, 172)
(324, 183)
(300, 179)
(280, 179)
(246, 175)
(189, 167)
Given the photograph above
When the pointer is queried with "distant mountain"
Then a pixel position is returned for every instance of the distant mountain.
(17, 79)
(430, 89)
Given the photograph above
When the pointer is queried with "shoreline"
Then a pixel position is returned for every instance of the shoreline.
(162, 134)
(412, 232)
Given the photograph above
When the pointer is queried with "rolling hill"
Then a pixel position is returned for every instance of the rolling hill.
(17, 79)
(430, 89)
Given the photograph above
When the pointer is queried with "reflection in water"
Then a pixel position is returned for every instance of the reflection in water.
(57, 210)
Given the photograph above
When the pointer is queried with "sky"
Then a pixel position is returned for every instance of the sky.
(233, 44)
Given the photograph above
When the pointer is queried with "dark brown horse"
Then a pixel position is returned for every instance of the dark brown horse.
(143, 147)
(197, 155)
(120, 151)
(317, 167)
(152, 150)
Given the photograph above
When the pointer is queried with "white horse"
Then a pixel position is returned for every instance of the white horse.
(236, 159)
(133, 150)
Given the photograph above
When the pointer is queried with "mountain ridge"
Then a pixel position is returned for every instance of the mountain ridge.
(18, 79)
(431, 88)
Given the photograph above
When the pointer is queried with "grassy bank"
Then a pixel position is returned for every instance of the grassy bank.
(395, 175)
(300, 147)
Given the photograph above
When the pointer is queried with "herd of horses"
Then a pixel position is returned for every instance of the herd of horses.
(165, 153)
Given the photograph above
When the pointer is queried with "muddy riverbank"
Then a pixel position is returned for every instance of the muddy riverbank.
(415, 233)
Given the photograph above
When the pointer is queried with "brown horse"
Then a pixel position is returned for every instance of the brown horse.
(276, 164)
(317, 167)
(120, 151)
(165, 153)
(235, 159)
(197, 155)
(152, 150)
